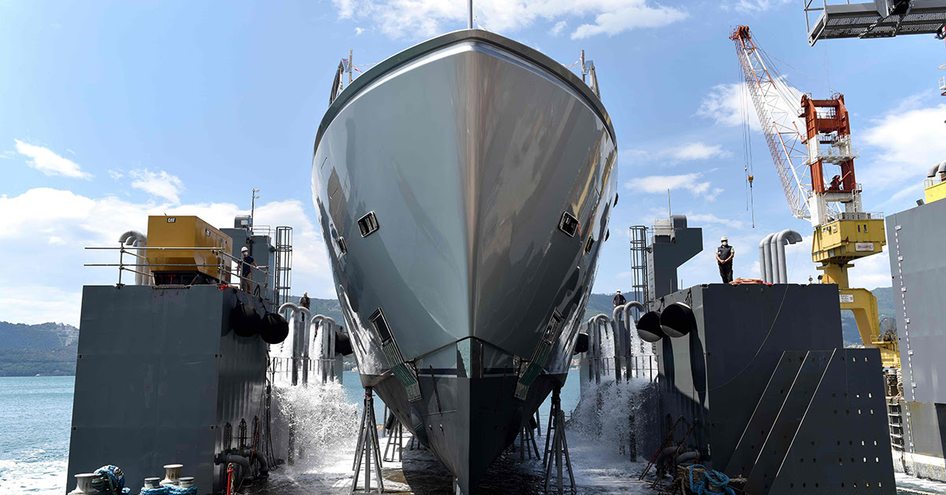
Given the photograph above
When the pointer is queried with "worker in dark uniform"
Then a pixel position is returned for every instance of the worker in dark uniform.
(619, 299)
(246, 270)
(724, 256)
(305, 301)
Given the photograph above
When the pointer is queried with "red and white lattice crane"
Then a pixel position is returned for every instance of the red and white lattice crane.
(803, 136)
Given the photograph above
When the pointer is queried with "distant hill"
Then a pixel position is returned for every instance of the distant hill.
(42, 349)
(601, 303)
(886, 308)
(50, 348)
(327, 307)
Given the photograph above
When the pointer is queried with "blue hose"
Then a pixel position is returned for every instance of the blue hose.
(154, 491)
(176, 490)
(712, 482)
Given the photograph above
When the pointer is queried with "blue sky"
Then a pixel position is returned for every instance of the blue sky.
(110, 111)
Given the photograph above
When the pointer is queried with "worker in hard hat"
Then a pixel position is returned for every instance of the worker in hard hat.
(724, 256)
(619, 299)
(246, 270)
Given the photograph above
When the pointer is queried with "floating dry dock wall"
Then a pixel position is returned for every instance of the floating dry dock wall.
(159, 377)
(915, 238)
(766, 391)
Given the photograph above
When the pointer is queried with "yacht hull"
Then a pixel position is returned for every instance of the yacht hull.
(467, 153)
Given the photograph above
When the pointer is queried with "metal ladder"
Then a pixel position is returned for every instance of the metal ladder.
(639, 264)
(283, 264)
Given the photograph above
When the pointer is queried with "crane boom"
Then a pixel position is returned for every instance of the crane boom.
(776, 105)
(805, 136)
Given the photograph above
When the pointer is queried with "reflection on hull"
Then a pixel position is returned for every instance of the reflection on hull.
(463, 188)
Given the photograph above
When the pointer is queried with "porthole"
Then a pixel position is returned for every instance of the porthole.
(568, 224)
(368, 224)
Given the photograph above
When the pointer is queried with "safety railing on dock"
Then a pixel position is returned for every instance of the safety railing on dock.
(134, 259)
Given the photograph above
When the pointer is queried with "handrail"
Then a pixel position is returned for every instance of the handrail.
(226, 267)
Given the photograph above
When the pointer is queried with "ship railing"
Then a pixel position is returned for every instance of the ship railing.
(139, 265)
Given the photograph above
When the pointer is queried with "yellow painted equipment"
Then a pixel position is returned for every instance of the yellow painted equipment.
(935, 192)
(834, 245)
(845, 240)
(207, 248)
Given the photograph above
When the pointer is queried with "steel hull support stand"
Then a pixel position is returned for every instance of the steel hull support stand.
(368, 449)
(559, 446)
(395, 442)
(527, 443)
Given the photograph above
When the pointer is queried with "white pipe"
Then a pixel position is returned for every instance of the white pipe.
(784, 237)
(137, 240)
(773, 259)
(594, 332)
(765, 258)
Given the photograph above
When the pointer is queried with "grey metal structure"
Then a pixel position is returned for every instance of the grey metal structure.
(639, 285)
(673, 245)
(464, 187)
(264, 254)
(918, 269)
(760, 374)
(159, 377)
(832, 19)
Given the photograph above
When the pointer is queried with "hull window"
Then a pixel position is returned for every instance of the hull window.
(342, 246)
(590, 244)
(380, 326)
(616, 196)
(551, 331)
(368, 224)
(568, 224)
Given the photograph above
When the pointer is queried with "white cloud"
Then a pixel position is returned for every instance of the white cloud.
(696, 150)
(160, 184)
(907, 142)
(359, 30)
(51, 227)
(753, 5)
(730, 104)
(558, 28)
(660, 184)
(417, 18)
(632, 15)
(709, 218)
(48, 161)
(115, 174)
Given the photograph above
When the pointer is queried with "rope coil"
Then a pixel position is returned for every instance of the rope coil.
(712, 481)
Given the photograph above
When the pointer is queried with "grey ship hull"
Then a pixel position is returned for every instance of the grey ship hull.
(462, 307)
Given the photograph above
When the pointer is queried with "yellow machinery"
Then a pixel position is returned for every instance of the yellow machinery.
(935, 192)
(808, 146)
(204, 257)
(834, 246)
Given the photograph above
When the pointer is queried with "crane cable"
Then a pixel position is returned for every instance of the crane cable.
(746, 144)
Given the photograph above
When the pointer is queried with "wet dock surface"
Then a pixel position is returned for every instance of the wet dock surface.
(420, 472)
(597, 471)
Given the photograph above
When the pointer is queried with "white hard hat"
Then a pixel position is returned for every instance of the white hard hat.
(724, 239)
(244, 249)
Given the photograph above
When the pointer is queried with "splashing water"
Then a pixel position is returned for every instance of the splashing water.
(324, 422)
(611, 412)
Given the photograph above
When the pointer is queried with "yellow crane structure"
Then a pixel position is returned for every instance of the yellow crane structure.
(810, 140)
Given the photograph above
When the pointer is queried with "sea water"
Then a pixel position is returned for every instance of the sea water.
(36, 415)
(36, 412)
(35, 419)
